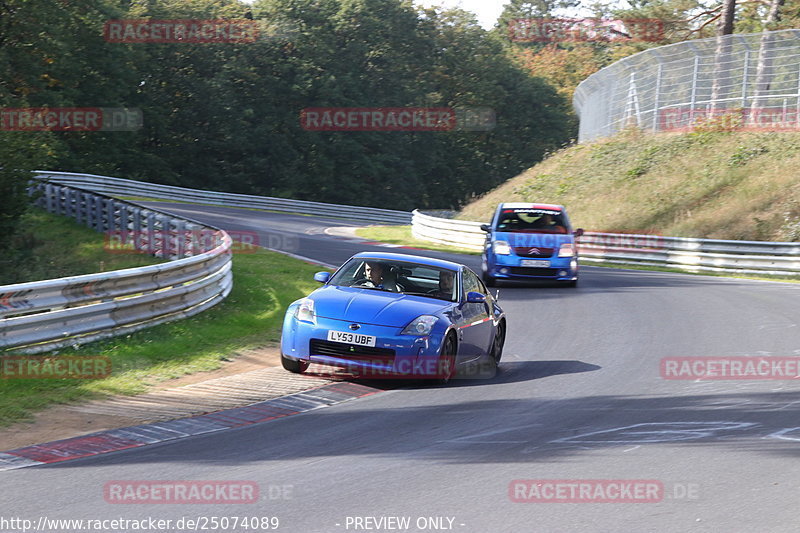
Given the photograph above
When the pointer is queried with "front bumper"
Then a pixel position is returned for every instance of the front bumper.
(510, 267)
(393, 353)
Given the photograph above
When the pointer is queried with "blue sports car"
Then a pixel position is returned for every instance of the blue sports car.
(530, 242)
(387, 315)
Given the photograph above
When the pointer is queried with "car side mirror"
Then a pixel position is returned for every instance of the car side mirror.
(475, 298)
(486, 228)
(578, 232)
(322, 277)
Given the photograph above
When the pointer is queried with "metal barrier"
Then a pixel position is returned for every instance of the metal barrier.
(747, 81)
(123, 187)
(747, 257)
(447, 231)
(45, 315)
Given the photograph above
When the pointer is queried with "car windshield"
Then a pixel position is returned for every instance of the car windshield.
(531, 221)
(398, 276)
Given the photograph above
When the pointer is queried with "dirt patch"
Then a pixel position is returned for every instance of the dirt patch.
(241, 362)
(62, 422)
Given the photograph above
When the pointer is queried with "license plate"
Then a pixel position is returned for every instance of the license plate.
(534, 263)
(351, 338)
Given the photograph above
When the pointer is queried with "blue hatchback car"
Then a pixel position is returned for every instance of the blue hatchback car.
(384, 315)
(530, 242)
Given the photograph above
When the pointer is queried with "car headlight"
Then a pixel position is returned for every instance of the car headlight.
(501, 248)
(422, 325)
(305, 311)
(566, 250)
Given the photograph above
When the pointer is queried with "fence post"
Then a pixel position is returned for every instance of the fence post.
(797, 114)
(693, 100)
(656, 102)
(744, 78)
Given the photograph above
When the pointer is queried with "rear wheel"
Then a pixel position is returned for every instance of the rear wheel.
(447, 360)
(294, 366)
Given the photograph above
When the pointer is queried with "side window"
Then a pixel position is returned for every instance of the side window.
(482, 288)
(472, 283)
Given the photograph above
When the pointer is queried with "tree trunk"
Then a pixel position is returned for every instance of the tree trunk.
(764, 71)
(722, 84)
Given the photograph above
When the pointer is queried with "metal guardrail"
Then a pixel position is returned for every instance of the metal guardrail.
(447, 231)
(746, 257)
(124, 187)
(45, 315)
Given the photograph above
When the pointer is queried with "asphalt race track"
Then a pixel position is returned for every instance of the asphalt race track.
(579, 396)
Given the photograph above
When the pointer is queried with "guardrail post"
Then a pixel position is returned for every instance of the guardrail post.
(164, 226)
(48, 192)
(83, 213)
(137, 229)
(150, 221)
(70, 211)
(109, 218)
(99, 212)
(123, 220)
(180, 239)
(59, 200)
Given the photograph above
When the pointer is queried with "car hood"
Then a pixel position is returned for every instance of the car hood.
(367, 306)
(538, 240)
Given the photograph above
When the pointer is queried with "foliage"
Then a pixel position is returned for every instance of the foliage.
(226, 116)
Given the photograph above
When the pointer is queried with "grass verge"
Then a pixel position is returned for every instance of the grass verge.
(402, 235)
(265, 283)
(52, 246)
(715, 185)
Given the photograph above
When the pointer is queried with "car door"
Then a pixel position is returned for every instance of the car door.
(477, 323)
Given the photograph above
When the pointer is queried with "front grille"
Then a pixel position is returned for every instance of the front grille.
(384, 356)
(529, 271)
(524, 251)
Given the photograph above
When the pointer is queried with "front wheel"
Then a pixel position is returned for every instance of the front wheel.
(294, 366)
(488, 280)
(572, 283)
(447, 361)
